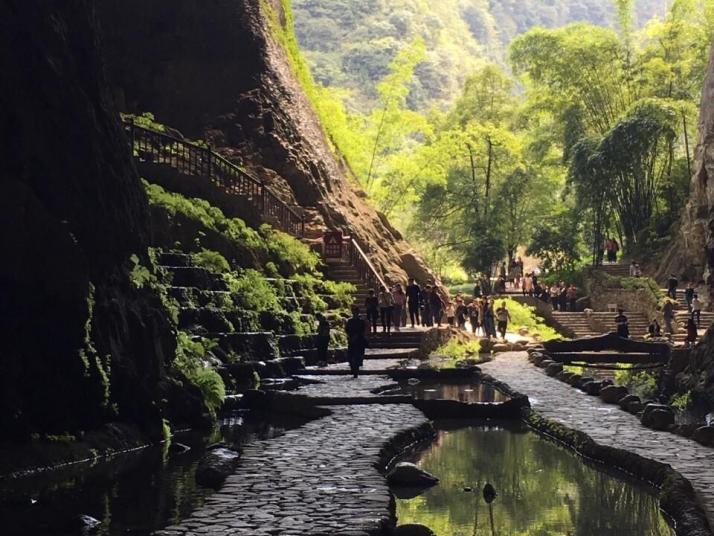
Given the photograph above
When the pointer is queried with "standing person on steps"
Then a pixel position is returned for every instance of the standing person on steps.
(356, 341)
(689, 296)
(323, 338)
(504, 317)
(436, 304)
(697, 310)
(400, 301)
(386, 307)
(413, 297)
(371, 305)
(672, 284)
(426, 317)
(668, 313)
(623, 324)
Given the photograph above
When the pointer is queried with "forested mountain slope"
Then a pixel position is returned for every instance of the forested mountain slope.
(349, 43)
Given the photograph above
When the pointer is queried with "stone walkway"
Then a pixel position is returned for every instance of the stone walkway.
(319, 479)
(607, 424)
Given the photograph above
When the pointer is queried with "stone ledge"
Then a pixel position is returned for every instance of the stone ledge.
(676, 495)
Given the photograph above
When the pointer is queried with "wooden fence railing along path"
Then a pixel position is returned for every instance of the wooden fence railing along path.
(193, 159)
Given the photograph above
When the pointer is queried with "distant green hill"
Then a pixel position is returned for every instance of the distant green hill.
(349, 43)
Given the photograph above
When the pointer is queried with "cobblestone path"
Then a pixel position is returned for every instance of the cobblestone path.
(319, 479)
(607, 424)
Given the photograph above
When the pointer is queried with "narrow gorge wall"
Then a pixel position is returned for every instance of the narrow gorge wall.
(213, 70)
(692, 253)
(80, 344)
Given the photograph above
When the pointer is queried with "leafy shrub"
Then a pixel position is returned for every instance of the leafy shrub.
(681, 401)
(525, 316)
(252, 292)
(189, 355)
(289, 254)
(642, 383)
(200, 210)
(455, 349)
(212, 261)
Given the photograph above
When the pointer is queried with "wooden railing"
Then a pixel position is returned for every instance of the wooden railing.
(193, 159)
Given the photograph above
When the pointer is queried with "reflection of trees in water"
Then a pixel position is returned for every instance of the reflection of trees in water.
(463, 392)
(542, 489)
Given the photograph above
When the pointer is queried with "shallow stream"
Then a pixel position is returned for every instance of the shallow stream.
(542, 489)
(132, 494)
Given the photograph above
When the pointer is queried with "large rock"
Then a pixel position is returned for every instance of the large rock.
(216, 466)
(254, 110)
(612, 394)
(658, 416)
(413, 530)
(408, 475)
(81, 343)
(704, 435)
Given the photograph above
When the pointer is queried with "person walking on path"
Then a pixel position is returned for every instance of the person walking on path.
(386, 307)
(572, 295)
(371, 306)
(356, 341)
(654, 329)
(672, 284)
(488, 319)
(623, 324)
(554, 296)
(474, 315)
(697, 310)
(436, 304)
(504, 317)
(450, 313)
(517, 273)
(528, 285)
(400, 300)
(460, 311)
(323, 338)
(413, 297)
(563, 297)
(426, 316)
(689, 296)
(668, 313)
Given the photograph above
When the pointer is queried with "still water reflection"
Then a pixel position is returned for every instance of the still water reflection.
(131, 494)
(543, 490)
(470, 393)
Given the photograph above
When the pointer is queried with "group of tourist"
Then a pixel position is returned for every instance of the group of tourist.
(482, 315)
(394, 308)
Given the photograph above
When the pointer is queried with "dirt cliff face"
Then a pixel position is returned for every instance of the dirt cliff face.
(80, 345)
(692, 253)
(213, 70)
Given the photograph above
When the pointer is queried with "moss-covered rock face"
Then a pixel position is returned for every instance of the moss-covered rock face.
(82, 343)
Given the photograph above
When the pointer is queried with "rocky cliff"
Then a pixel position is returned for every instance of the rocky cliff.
(691, 254)
(81, 345)
(214, 70)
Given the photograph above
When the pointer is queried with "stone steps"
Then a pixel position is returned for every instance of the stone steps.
(616, 270)
(580, 323)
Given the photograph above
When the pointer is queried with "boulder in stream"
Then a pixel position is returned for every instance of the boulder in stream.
(406, 474)
(413, 529)
(215, 466)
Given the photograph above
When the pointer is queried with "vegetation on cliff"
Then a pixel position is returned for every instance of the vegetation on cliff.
(591, 136)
